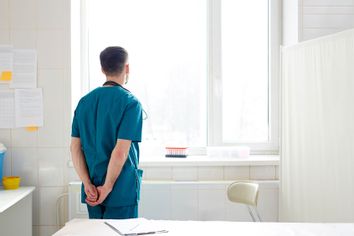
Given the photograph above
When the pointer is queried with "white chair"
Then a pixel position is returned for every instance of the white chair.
(245, 193)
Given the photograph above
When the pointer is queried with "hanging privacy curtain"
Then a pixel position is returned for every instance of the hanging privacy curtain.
(317, 157)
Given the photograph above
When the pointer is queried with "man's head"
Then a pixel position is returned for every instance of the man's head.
(114, 61)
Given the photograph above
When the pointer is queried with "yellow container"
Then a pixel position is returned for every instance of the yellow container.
(11, 182)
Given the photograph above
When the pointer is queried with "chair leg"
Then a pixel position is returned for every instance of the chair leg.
(254, 214)
(259, 217)
(251, 213)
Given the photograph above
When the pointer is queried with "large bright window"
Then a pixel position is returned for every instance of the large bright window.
(201, 69)
(244, 57)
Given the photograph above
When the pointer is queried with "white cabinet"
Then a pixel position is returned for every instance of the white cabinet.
(16, 211)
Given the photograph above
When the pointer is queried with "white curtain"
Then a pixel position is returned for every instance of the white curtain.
(317, 156)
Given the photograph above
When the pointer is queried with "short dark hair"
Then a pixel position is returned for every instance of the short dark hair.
(113, 60)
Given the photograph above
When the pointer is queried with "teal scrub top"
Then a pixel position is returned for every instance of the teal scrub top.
(101, 117)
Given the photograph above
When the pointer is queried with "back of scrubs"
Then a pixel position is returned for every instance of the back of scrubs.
(101, 118)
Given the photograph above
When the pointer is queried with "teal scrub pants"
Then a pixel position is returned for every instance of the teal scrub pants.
(103, 212)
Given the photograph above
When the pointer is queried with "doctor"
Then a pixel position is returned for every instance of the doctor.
(106, 130)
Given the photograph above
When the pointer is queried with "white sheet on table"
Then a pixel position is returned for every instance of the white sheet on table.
(87, 227)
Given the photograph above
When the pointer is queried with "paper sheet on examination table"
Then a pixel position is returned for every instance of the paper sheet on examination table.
(136, 226)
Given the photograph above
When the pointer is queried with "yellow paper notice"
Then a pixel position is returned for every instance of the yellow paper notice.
(6, 76)
(32, 128)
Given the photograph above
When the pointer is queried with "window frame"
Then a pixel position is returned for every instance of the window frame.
(214, 77)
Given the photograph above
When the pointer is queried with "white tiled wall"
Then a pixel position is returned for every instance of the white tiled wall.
(199, 192)
(184, 198)
(22, 14)
(211, 202)
(51, 163)
(236, 172)
(163, 202)
(47, 204)
(262, 172)
(211, 173)
(23, 38)
(158, 173)
(185, 173)
(25, 165)
(4, 13)
(197, 200)
(5, 135)
(40, 157)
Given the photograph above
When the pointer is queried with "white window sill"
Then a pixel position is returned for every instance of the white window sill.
(252, 160)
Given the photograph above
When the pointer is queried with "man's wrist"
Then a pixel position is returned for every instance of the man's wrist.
(86, 182)
(108, 186)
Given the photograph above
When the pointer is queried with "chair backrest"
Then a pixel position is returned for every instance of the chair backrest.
(243, 192)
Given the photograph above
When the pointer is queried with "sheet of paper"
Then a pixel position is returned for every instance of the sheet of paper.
(7, 108)
(6, 64)
(134, 226)
(24, 69)
(29, 107)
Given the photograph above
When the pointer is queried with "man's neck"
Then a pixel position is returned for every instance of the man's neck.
(117, 79)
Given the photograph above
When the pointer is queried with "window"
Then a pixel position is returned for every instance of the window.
(244, 71)
(203, 70)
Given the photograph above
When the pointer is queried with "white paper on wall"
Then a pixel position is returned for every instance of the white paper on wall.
(29, 107)
(24, 69)
(7, 108)
(6, 64)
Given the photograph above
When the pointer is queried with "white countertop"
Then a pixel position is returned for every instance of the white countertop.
(9, 198)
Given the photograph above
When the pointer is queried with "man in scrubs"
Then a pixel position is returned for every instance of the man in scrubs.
(106, 131)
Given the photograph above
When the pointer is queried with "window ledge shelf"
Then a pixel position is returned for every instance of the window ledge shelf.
(253, 160)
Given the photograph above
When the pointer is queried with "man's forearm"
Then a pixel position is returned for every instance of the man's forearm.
(79, 161)
(118, 158)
